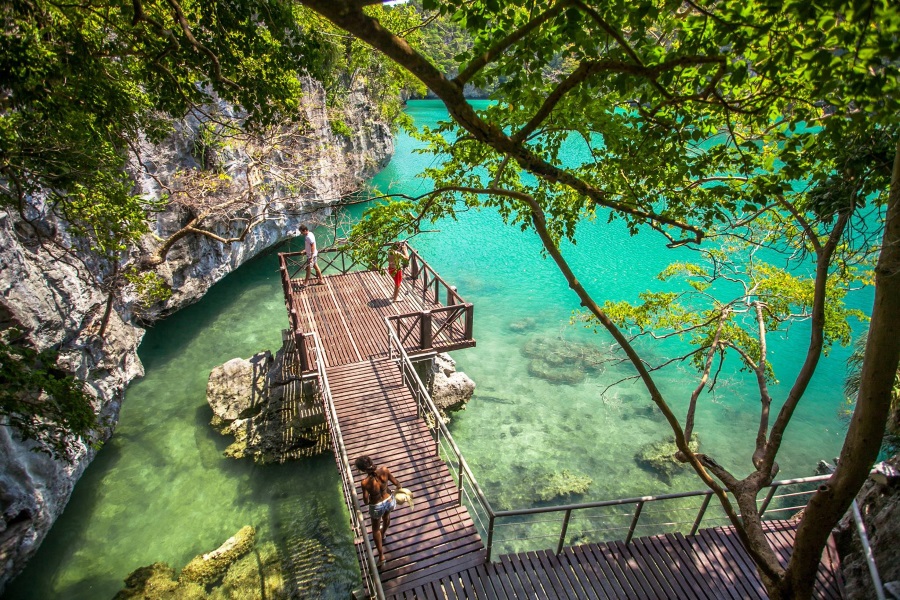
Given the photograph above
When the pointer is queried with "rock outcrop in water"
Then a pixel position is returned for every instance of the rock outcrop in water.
(56, 298)
(272, 417)
(451, 389)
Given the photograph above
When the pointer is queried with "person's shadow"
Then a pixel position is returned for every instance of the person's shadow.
(379, 303)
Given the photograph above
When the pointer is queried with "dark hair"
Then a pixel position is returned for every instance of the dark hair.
(365, 464)
(304, 228)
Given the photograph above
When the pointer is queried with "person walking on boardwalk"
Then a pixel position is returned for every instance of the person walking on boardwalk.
(312, 254)
(398, 258)
(378, 495)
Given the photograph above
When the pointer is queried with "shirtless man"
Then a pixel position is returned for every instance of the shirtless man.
(381, 502)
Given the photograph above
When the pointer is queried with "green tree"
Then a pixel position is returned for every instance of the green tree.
(86, 84)
(752, 128)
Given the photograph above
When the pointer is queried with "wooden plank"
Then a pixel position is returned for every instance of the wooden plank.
(499, 575)
(717, 582)
(639, 568)
(477, 585)
(538, 575)
(720, 567)
(433, 572)
(691, 565)
(574, 587)
(731, 560)
(487, 581)
(681, 569)
(627, 575)
(586, 579)
(530, 580)
(599, 580)
(656, 571)
(518, 588)
(557, 581)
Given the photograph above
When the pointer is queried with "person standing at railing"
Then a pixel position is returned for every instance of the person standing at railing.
(398, 258)
(378, 495)
(312, 254)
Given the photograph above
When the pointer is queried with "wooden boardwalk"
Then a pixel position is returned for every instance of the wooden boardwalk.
(378, 417)
(434, 550)
(377, 413)
(711, 565)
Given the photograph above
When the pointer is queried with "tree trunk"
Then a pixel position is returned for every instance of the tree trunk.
(864, 435)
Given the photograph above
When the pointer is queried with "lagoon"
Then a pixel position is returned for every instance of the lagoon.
(160, 490)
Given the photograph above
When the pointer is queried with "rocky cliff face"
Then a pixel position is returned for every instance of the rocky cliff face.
(56, 299)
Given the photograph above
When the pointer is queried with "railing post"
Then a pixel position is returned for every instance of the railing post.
(765, 504)
(425, 340)
(470, 320)
(490, 542)
(565, 528)
(414, 267)
(462, 482)
(301, 348)
(634, 521)
(701, 513)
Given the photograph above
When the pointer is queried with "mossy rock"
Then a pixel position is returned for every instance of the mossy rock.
(554, 374)
(157, 582)
(258, 574)
(562, 361)
(522, 325)
(563, 485)
(659, 456)
(211, 567)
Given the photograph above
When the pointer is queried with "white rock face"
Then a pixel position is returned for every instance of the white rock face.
(45, 295)
(451, 389)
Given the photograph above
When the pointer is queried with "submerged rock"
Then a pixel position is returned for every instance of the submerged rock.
(236, 570)
(563, 485)
(211, 567)
(272, 418)
(558, 360)
(659, 456)
(524, 324)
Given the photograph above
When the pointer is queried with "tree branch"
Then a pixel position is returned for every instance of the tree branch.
(500, 46)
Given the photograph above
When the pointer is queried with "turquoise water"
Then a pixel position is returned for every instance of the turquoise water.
(160, 490)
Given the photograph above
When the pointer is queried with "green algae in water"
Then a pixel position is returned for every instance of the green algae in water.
(161, 490)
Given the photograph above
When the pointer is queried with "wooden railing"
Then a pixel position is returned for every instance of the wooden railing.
(446, 328)
(368, 567)
(468, 490)
(439, 329)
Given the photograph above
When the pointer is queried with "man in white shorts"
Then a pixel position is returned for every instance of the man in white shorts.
(312, 252)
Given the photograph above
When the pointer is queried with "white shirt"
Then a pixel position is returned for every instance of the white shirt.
(310, 243)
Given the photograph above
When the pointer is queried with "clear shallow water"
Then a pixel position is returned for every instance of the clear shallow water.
(161, 491)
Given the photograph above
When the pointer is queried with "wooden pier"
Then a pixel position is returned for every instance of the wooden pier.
(348, 334)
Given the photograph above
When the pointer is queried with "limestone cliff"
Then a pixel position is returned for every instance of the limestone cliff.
(56, 297)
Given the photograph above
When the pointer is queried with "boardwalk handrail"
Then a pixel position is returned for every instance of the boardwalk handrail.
(367, 563)
(427, 410)
(639, 503)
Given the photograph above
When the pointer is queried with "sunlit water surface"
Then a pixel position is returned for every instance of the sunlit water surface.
(160, 490)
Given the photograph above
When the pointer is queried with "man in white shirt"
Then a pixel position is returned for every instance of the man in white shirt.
(312, 252)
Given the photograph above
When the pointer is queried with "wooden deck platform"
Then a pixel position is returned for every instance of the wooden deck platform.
(378, 417)
(711, 565)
